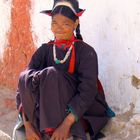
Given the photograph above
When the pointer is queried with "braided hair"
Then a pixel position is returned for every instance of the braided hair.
(67, 12)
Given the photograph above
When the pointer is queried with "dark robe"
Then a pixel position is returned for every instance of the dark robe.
(46, 90)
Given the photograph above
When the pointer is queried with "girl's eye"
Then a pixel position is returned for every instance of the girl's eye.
(53, 23)
(66, 24)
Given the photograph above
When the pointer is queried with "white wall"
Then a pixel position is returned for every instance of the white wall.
(4, 23)
(113, 29)
(40, 22)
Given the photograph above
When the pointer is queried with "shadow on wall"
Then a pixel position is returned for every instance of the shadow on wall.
(20, 44)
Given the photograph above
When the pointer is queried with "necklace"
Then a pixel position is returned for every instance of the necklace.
(57, 61)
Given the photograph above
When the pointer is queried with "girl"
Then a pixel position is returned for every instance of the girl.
(60, 93)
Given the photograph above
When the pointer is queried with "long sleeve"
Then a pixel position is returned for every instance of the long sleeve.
(38, 62)
(87, 88)
(38, 58)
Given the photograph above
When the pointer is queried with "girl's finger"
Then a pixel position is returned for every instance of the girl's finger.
(52, 137)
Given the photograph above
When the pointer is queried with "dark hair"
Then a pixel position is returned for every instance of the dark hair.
(67, 12)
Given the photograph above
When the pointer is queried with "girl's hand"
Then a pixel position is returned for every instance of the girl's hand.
(30, 132)
(63, 131)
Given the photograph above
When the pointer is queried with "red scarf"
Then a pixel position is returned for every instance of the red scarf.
(67, 44)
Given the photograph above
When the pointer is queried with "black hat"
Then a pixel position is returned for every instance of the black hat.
(72, 4)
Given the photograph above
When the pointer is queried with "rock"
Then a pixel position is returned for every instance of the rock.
(137, 138)
(114, 125)
(135, 120)
(4, 136)
(119, 128)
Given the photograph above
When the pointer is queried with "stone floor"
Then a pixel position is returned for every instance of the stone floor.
(123, 127)
(8, 111)
(4, 136)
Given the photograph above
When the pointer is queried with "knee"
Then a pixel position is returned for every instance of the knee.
(49, 73)
(52, 71)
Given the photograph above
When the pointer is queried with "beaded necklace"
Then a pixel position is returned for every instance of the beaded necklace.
(71, 51)
(56, 60)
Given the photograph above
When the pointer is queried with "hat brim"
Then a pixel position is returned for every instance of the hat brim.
(49, 12)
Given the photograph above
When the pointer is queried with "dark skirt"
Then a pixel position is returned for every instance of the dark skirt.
(45, 96)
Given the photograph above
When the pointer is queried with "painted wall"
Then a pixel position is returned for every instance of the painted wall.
(113, 29)
(19, 45)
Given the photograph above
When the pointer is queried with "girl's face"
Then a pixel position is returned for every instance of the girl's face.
(63, 27)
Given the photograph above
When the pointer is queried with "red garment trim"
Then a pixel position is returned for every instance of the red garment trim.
(80, 13)
(20, 108)
(49, 14)
(49, 130)
(100, 87)
(72, 61)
